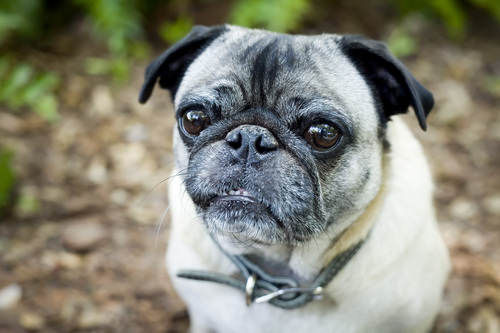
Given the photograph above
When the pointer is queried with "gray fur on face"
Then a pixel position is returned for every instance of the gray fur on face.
(279, 85)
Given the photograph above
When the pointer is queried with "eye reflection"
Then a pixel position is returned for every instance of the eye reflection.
(194, 122)
(322, 136)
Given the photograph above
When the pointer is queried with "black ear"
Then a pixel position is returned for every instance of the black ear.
(392, 84)
(173, 63)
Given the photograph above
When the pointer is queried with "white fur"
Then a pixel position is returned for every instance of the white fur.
(393, 284)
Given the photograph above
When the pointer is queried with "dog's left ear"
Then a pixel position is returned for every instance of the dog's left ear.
(391, 82)
(173, 63)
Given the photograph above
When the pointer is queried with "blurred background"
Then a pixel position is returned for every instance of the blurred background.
(84, 167)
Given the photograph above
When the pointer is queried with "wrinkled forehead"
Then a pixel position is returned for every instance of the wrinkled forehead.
(252, 68)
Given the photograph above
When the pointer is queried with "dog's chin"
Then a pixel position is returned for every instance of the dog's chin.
(243, 221)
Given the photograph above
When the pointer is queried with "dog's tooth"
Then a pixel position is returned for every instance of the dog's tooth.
(245, 193)
(232, 192)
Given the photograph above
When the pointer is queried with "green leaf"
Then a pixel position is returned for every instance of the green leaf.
(7, 177)
(401, 44)
(117, 21)
(28, 204)
(46, 107)
(449, 11)
(98, 66)
(4, 67)
(21, 18)
(492, 7)
(172, 32)
(492, 85)
(140, 50)
(15, 81)
(120, 68)
(275, 15)
(453, 16)
(40, 86)
(23, 89)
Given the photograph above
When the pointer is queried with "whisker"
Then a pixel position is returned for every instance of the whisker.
(180, 173)
(151, 190)
(210, 71)
(161, 222)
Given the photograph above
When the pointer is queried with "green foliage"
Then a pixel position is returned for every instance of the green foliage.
(275, 15)
(23, 86)
(451, 12)
(492, 7)
(6, 178)
(402, 44)
(119, 23)
(118, 68)
(172, 32)
(19, 17)
(27, 204)
(492, 85)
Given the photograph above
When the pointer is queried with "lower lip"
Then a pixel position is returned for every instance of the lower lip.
(241, 198)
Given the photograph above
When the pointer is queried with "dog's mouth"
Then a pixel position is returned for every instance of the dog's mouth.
(245, 215)
(255, 203)
(239, 194)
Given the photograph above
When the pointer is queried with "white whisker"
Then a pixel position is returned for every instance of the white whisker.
(161, 223)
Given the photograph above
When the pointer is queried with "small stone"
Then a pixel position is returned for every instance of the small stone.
(484, 319)
(49, 261)
(136, 133)
(119, 196)
(90, 318)
(10, 295)
(84, 235)
(454, 102)
(31, 321)
(463, 209)
(11, 123)
(132, 164)
(127, 154)
(474, 242)
(103, 104)
(492, 204)
(69, 260)
(97, 171)
(53, 194)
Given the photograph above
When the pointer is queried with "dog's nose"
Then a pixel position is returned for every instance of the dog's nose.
(251, 142)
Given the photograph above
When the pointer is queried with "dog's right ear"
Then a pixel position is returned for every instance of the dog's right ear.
(173, 63)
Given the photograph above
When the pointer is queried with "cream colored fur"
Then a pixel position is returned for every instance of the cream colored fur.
(393, 284)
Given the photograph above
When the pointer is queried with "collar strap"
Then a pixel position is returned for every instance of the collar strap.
(281, 291)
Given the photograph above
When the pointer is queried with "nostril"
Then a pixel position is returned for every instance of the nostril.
(251, 142)
(265, 144)
(234, 139)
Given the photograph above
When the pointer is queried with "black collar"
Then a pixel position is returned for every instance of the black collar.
(281, 291)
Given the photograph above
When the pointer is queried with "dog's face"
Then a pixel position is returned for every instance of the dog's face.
(282, 137)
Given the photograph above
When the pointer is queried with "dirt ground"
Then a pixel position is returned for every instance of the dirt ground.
(84, 252)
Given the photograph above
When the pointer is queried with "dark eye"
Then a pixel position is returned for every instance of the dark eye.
(322, 136)
(194, 121)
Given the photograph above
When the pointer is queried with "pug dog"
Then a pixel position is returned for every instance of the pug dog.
(299, 202)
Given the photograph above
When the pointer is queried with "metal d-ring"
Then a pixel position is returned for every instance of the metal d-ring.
(315, 292)
(249, 288)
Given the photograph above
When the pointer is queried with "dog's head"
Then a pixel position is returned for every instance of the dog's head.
(280, 137)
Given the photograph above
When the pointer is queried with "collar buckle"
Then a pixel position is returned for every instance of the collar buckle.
(249, 288)
(316, 292)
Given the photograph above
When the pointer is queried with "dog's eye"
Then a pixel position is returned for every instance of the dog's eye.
(194, 121)
(322, 136)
